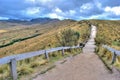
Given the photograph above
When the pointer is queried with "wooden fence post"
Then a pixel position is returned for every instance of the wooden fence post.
(62, 52)
(113, 58)
(13, 68)
(46, 55)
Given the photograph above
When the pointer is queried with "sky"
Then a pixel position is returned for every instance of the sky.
(61, 9)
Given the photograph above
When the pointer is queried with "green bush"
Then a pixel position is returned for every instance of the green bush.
(68, 37)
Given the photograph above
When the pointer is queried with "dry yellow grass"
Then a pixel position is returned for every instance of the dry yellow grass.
(108, 33)
(46, 40)
(2, 31)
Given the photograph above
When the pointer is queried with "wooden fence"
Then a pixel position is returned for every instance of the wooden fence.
(12, 60)
(114, 52)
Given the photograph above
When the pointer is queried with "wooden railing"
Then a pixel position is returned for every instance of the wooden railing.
(114, 52)
(12, 60)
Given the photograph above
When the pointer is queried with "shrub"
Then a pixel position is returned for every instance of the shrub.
(68, 37)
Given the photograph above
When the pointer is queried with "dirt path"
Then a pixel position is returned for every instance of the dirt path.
(86, 66)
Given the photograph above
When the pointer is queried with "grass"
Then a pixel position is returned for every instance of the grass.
(2, 31)
(116, 43)
(24, 69)
(101, 54)
(108, 33)
(18, 40)
(106, 57)
(46, 40)
(57, 57)
(106, 64)
(30, 66)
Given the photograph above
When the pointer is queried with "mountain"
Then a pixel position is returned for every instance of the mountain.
(13, 21)
(32, 21)
(17, 22)
(43, 20)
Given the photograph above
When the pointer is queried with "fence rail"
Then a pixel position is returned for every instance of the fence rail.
(12, 60)
(114, 52)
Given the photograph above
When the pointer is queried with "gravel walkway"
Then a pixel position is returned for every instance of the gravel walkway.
(85, 66)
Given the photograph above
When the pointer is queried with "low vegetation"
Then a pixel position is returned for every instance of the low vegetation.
(68, 37)
(2, 31)
(18, 40)
(24, 41)
(108, 33)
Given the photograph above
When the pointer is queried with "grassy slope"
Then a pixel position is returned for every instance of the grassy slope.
(108, 33)
(46, 40)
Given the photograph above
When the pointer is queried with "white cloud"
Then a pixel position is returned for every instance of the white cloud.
(54, 15)
(72, 12)
(114, 10)
(44, 1)
(85, 7)
(30, 1)
(98, 4)
(5, 18)
(57, 10)
(98, 16)
(58, 13)
(32, 11)
(103, 16)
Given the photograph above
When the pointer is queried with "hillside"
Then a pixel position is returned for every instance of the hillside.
(22, 38)
(26, 38)
(45, 36)
(108, 32)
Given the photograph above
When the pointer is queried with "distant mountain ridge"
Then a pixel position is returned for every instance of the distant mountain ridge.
(44, 20)
(32, 21)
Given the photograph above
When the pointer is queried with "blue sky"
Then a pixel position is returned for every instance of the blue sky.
(62, 9)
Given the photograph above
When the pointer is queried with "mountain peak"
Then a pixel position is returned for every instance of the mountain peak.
(44, 20)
